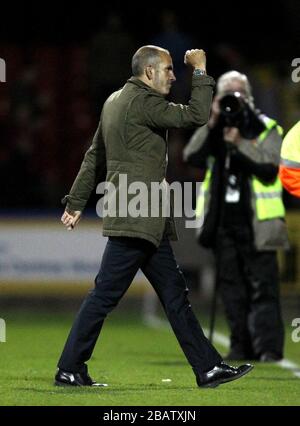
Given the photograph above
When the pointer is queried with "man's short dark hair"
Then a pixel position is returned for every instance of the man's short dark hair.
(144, 56)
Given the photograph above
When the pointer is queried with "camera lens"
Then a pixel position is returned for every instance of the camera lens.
(231, 104)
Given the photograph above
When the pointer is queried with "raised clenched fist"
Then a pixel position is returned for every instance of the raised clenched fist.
(196, 58)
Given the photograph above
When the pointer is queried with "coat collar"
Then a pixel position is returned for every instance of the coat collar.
(136, 81)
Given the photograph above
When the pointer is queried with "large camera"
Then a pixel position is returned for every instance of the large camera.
(235, 111)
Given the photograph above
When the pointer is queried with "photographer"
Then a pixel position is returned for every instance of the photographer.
(243, 215)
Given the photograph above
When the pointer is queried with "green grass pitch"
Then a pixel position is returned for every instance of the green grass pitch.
(134, 360)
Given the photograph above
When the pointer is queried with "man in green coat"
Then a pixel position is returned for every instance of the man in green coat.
(131, 141)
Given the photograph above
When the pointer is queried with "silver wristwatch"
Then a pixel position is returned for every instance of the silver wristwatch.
(198, 71)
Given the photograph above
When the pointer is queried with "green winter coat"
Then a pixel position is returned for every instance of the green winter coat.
(131, 139)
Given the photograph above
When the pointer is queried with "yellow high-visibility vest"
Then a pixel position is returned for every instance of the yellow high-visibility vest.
(290, 149)
(289, 170)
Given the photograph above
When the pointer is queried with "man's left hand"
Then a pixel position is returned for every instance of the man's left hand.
(232, 135)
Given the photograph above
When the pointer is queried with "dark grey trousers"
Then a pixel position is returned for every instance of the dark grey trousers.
(249, 286)
(121, 260)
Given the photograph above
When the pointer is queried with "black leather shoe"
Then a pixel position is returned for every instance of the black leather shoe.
(221, 373)
(66, 378)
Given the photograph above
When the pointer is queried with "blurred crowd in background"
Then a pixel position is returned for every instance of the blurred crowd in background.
(51, 102)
